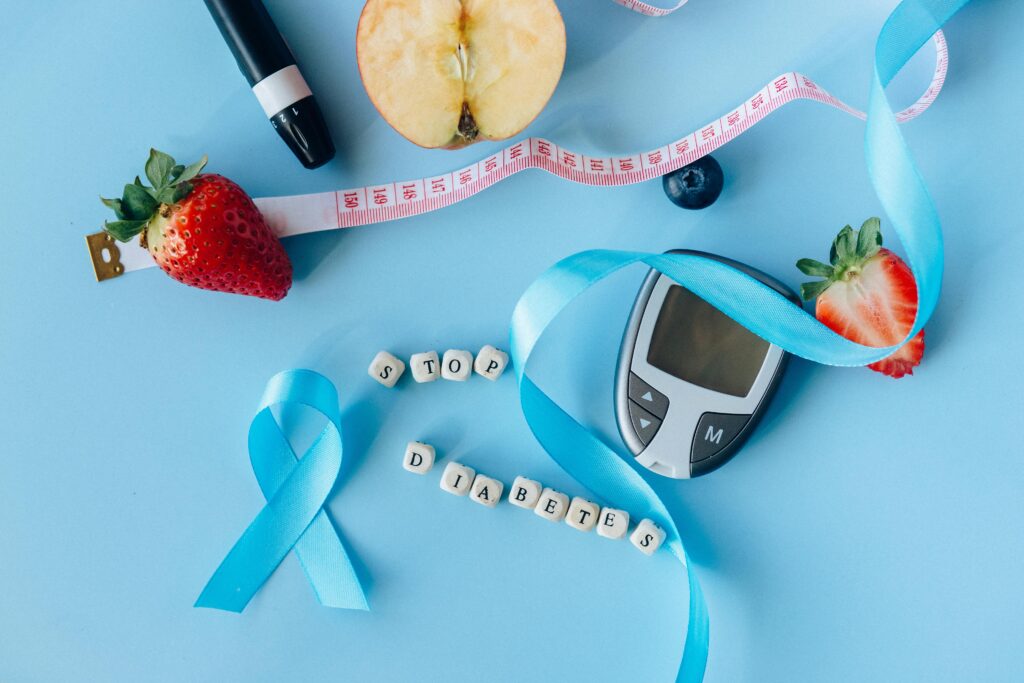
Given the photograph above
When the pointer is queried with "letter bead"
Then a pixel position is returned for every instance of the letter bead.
(552, 505)
(419, 457)
(426, 367)
(386, 369)
(524, 492)
(456, 365)
(490, 362)
(486, 491)
(647, 537)
(582, 514)
(457, 479)
(612, 523)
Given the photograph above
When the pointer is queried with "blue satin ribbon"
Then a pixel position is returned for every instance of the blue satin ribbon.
(296, 490)
(912, 217)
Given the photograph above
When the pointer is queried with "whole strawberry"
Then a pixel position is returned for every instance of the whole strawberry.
(203, 230)
(868, 295)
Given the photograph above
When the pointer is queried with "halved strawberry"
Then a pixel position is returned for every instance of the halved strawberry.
(868, 295)
(202, 230)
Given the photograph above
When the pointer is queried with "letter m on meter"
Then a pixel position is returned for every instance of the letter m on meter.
(713, 435)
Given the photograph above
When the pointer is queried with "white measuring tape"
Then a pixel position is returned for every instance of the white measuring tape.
(649, 10)
(300, 214)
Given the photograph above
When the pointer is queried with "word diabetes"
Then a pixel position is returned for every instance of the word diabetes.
(546, 503)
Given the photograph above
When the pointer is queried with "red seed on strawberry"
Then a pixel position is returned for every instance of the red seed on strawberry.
(868, 296)
(202, 230)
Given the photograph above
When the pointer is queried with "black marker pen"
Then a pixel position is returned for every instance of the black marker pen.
(269, 66)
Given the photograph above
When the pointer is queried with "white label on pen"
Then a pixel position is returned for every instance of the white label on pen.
(281, 89)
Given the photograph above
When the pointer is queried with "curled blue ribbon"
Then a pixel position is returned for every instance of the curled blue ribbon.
(913, 218)
(296, 490)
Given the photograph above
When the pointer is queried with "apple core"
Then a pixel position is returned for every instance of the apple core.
(447, 73)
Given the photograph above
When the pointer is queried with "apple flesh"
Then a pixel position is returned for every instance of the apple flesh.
(448, 73)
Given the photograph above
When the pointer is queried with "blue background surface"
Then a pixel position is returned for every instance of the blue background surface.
(871, 529)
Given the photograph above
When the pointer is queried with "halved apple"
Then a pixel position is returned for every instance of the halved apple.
(447, 73)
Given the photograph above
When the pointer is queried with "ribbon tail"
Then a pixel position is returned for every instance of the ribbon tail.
(247, 566)
(328, 567)
(698, 629)
(588, 460)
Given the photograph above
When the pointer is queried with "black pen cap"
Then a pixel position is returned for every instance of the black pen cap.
(269, 66)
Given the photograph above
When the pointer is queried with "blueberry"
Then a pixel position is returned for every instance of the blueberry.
(696, 185)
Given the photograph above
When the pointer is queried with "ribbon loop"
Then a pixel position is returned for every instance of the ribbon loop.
(293, 517)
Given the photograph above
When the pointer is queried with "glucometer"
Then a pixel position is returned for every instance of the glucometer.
(691, 382)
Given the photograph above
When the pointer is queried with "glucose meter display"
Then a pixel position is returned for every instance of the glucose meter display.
(699, 344)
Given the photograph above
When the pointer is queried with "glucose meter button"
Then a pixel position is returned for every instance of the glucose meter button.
(714, 432)
(647, 396)
(645, 424)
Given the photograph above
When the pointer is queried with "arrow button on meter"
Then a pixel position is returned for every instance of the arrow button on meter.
(645, 424)
(647, 397)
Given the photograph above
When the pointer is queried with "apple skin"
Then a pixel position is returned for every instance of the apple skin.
(457, 141)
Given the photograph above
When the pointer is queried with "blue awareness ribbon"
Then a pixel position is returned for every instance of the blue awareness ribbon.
(912, 216)
(293, 517)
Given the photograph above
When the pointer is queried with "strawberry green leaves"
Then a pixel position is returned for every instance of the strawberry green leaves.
(869, 239)
(189, 172)
(133, 211)
(116, 205)
(173, 193)
(850, 250)
(810, 290)
(844, 246)
(139, 203)
(124, 231)
(808, 266)
(158, 168)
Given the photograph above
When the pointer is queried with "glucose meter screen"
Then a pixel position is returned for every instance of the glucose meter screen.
(699, 344)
